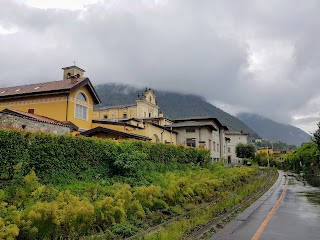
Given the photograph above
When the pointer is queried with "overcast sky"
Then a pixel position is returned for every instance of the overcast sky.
(243, 56)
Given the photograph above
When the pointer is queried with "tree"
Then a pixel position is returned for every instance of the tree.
(316, 136)
(245, 150)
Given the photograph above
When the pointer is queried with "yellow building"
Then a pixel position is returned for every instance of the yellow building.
(145, 106)
(274, 152)
(71, 100)
(147, 128)
(67, 100)
(265, 150)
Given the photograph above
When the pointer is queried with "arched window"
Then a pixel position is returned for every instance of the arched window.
(69, 75)
(81, 110)
(82, 97)
(150, 99)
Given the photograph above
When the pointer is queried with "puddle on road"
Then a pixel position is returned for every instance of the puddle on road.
(313, 197)
(308, 187)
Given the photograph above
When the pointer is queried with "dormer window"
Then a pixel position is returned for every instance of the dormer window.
(81, 110)
(36, 88)
(18, 90)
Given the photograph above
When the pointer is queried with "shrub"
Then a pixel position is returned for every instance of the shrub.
(61, 158)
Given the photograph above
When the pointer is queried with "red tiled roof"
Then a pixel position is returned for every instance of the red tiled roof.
(63, 86)
(34, 117)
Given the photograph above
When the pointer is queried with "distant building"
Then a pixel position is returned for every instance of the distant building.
(234, 139)
(145, 106)
(202, 132)
(265, 150)
(147, 127)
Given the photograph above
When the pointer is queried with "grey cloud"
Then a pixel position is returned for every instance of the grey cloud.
(188, 46)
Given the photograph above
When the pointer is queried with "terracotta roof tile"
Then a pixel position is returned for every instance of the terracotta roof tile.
(62, 86)
(40, 87)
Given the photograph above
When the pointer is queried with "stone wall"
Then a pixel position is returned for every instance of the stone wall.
(14, 122)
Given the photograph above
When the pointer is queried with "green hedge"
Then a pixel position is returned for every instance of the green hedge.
(55, 157)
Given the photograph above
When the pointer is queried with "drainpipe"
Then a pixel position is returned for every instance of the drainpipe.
(199, 136)
(67, 108)
(162, 135)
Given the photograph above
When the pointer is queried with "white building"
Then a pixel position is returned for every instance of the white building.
(234, 138)
(202, 132)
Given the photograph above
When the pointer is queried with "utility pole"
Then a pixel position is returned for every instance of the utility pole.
(268, 156)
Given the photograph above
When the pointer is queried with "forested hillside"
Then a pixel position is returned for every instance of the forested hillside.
(266, 128)
(174, 105)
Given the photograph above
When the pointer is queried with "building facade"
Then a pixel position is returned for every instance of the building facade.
(145, 106)
(70, 99)
(234, 138)
(202, 132)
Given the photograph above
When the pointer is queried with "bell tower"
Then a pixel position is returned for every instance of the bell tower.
(72, 72)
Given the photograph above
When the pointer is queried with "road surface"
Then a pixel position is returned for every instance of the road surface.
(292, 208)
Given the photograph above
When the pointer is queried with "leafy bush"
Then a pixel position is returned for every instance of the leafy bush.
(32, 210)
(61, 158)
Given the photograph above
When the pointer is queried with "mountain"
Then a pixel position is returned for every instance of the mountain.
(174, 105)
(268, 129)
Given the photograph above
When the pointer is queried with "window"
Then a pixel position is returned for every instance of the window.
(31, 110)
(229, 150)
(69, 75)
(191, 142)
(214, 146)
(218, 147)
(124, 115)
(82, 97)
(190, 130)
(105, 116)
(81, 110)
(150, 99)
(210, 144)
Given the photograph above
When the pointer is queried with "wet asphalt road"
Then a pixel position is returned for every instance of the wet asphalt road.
(297, 218)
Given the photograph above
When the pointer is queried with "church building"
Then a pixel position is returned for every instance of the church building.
(145, 106)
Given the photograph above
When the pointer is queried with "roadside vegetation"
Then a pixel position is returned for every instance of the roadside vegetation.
(60, 187)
